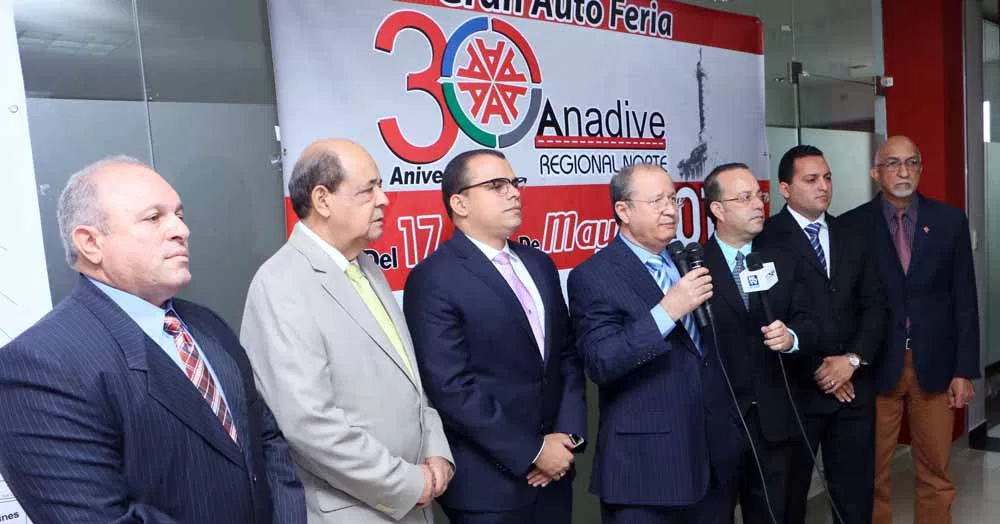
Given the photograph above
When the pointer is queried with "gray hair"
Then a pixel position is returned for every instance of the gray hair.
(621, 184)
(318, 168)
(78, 204)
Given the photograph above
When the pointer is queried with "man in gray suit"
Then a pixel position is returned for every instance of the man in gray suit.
(333, 357)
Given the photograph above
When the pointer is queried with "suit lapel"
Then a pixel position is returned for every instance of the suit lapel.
(920, 233)
(384, 293)
(342, 291)
(537, 273)
(800, 241)
(837, 246)
(174, 391)
(476, 262)
(228, 373)
(717, 264)
(165, 381)
(630, 269)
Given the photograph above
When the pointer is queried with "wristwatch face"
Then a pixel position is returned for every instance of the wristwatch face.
(854, 360)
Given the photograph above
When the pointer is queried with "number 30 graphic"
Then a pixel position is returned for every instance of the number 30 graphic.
(426, 81)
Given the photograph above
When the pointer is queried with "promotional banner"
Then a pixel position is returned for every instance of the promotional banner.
(570, 91)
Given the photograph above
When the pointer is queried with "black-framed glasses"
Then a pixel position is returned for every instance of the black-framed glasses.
(659, 204)
(499, 185)
(746, 196)
(893, 164)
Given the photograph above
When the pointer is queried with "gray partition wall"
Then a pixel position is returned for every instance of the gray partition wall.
(185, 85)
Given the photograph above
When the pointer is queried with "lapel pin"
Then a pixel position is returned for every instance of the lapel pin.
(927, 230)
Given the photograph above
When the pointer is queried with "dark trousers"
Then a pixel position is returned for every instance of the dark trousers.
(713, 508)
(775, 459)
(554, 505)
(846, 438)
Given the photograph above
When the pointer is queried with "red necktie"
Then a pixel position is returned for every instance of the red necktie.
(902, 242)
(197, 372)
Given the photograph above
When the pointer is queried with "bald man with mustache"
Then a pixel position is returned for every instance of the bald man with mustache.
(930, 354)
(332, 353)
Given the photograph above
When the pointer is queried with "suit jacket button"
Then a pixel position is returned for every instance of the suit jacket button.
(255, 479)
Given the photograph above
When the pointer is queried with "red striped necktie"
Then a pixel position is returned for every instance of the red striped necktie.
(197, 372)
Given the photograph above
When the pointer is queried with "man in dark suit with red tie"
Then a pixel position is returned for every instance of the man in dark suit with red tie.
(492, 340)
(923, 254)
(125, 404)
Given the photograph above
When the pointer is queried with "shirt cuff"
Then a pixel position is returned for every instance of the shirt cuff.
(663, 321)
(795, 342)
(539, 454)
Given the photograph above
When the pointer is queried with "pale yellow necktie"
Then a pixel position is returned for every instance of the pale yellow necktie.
(375, 305)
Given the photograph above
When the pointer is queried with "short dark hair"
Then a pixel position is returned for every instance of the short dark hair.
(786, 168)
(621, 184)
(713, 191)
(456, 174)
(321, 167)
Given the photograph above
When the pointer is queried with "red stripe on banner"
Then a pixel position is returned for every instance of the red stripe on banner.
(569, 223)
(688, 23)
(589, 142)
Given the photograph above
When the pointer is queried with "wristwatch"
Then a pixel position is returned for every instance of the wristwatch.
(577, 440)
(854, 360)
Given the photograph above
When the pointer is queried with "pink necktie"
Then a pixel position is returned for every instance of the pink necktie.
(197, 372)
(524, 297)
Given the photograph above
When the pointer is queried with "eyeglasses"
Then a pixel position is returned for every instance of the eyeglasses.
(746, 196)
(893, 164)
(659, 204)
(498, 185)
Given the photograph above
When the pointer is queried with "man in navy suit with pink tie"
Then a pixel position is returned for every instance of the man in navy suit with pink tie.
(491, 334)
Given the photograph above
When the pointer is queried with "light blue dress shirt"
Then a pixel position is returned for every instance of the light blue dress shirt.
(150, 320)
(729, 252)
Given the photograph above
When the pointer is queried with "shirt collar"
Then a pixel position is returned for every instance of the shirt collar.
(729, 252)
(490, 252)
(643, 253)
(334, 253)
(803, 221)
(146, 315)
(889, 210)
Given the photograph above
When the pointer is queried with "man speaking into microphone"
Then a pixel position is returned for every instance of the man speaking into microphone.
(750, 343)
(669, 444)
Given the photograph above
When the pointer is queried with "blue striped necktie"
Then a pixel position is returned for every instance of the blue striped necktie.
(658, 268)
(812, 231)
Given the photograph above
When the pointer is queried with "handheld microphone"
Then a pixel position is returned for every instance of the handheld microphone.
(693, 258)
(754, 263)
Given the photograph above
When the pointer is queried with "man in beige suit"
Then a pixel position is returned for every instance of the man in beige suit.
(333, 357)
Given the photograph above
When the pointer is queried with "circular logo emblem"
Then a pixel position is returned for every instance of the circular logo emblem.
(491, 82)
